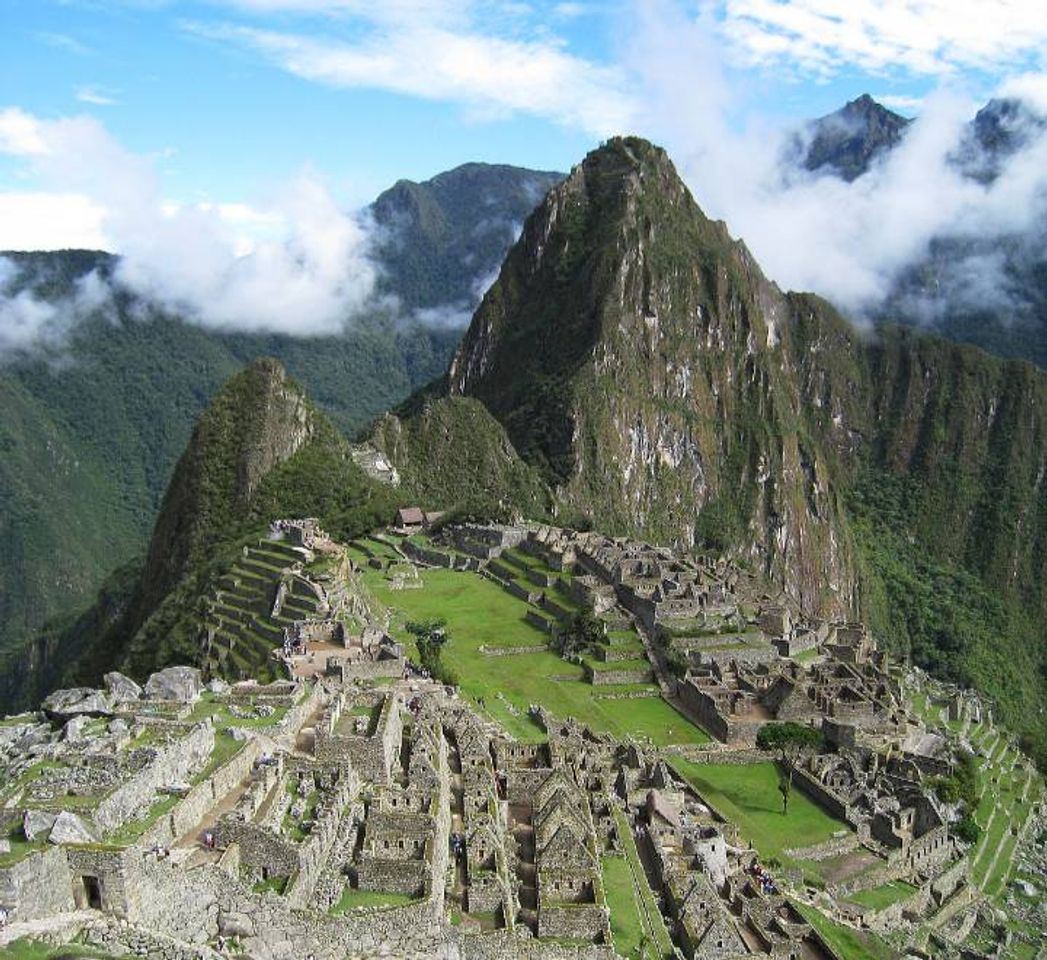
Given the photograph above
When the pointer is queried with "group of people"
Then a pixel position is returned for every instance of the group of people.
(762, 877)
(293, 647)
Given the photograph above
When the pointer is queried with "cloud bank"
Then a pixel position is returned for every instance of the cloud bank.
(813, 231)
(298, 265)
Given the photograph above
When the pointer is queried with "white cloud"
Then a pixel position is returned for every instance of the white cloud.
(296, 264)
(27, 323)
(50, 221)
(447, 52)
(62, 41)
(20, 134)
(899, 102)
(848, 241)
(95, 96)
(1030, 87)
(932, 37)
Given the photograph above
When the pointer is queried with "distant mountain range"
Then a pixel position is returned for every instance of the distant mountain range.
(90, 432)
(987, 290)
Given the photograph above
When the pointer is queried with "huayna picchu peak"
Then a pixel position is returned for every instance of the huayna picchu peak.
(679, 618)
(639, 360)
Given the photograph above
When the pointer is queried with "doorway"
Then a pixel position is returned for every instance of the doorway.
(92, 894)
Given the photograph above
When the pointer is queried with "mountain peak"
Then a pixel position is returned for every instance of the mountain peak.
(850, 139)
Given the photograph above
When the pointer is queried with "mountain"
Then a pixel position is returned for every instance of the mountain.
(989, 290)
(849, 140)
(93, 423)
(638, 359)
(260, 450)
(445, 238)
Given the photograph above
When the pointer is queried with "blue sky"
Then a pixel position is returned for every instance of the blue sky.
(208, 89)
(156, 127)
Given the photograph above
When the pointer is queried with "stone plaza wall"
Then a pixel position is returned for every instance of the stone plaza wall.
(38, 886)
(195, 805)
(114, 872)
(599, 678)
(175, 763)
(573, 921)
(313, 853)
(396, 876)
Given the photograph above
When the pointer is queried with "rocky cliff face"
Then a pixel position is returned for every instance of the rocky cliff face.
(639, 358)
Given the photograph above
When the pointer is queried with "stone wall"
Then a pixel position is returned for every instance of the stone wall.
(372, 756)
(599, 678)
(194, 806)
(114, 872)
(38, 886)
(573, 921)
(365, 669)
(261, 850)
(397, 876)
(314, 852)
(822, 795)
(704, 708)
(175, 763)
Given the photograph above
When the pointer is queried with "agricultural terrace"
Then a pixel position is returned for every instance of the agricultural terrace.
(481, 616)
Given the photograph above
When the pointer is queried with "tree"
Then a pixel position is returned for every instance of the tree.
(791, 741)
(583, 632)
(430, 637)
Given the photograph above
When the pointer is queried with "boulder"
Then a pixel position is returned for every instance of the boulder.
(71, 828)
(74, 727)
(218, 686)
(5, 845)
(37, 822)
(63, 704)
(118, 727)
(122, 689)
(235, 925)
(180, 684)
(35, 736)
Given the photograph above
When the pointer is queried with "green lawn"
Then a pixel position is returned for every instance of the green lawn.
(225, 748)
(353, 899)
(131, 830)
(846, 942)
(626, 925)
(480, 613)
(748, 796)
(877, 898)
(643, 919)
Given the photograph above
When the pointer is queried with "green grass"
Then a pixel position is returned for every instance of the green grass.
(877, 898)
(633, 882)
(273, 885)
(480, 613)
(355, 899)
(20, 847)
(626, 924)
(845, 942)
(225, 748)
(132, 830)
(748, 796)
